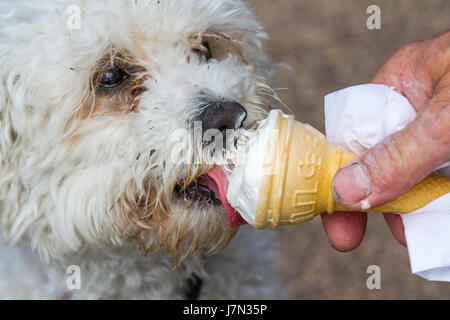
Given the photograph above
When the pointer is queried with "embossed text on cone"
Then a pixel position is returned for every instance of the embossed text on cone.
(302, 169)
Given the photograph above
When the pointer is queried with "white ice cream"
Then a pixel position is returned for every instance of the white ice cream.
(245, 181)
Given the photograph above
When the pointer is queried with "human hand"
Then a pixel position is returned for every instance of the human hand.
(421, 72)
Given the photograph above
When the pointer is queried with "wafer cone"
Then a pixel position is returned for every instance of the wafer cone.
(302, 168)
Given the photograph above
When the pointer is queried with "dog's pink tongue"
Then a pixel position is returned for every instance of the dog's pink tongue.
(218, 183)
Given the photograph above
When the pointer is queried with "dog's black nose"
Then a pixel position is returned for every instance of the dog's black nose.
(222, 116)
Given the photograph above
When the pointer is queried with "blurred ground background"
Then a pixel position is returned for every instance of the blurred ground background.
(328, 46)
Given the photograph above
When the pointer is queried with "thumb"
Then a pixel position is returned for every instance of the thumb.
(399, 162)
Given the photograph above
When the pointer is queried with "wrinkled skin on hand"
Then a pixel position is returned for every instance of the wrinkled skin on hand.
(421, 72)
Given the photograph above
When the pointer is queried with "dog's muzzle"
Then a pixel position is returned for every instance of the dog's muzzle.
(210, 189)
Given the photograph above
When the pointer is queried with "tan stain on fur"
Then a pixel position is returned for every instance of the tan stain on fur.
(147, 221)
(220, 45)
(125, 97)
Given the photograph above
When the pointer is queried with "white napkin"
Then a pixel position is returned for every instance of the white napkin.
(357, 118)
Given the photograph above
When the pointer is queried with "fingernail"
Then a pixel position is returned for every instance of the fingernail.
(351, 184)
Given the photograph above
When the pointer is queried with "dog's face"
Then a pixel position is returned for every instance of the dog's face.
(96, 121)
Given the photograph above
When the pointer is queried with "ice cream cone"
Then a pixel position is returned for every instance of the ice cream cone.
(301, 171)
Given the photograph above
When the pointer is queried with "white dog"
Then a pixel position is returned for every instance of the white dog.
(92, 94)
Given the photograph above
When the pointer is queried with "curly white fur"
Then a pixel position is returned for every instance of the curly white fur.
(79, 179)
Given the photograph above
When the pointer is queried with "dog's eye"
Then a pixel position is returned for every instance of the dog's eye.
(204, 51)
(112, 78)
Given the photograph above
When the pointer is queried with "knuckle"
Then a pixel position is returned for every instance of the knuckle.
(408, 49)
(388, 164)
(434, 123)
